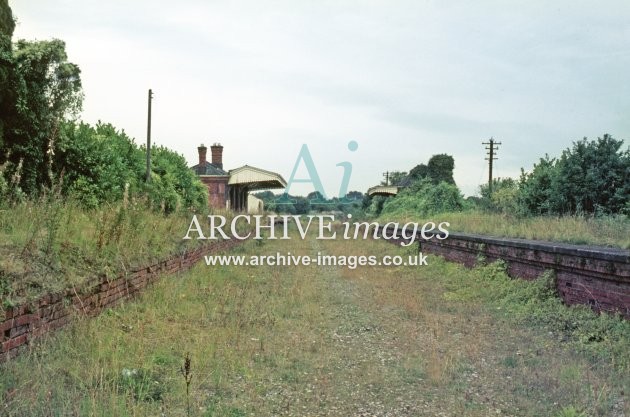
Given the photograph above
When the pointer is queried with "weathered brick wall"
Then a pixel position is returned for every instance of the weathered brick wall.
(23, 324)
(596, 276)
(216, 190)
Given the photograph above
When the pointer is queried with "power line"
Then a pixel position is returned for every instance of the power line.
(149, 138)
(491, 147)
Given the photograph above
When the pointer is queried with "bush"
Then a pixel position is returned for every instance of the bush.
(101, 165)
(591, 177)
(504, 197)
(425, 198)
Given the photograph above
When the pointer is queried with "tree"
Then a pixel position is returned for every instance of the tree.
(7, 24)
(355, 195)
(7, 65)
(535, 188)
(46, 88)
(440, 168)
(591, 177)
(419, 171)
(394, 178)
(425, 198)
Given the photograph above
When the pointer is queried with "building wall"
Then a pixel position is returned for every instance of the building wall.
(217, 187)
(255, 205)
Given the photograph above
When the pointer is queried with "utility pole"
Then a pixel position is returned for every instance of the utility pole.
(386, 175)
(149, 138)
(491, 147)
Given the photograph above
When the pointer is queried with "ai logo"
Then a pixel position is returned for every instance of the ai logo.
(313, 177)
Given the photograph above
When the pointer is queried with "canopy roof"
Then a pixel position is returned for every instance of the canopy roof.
(255, 178)
(383, 190)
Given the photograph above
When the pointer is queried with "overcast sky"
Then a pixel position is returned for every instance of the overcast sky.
(404, 79)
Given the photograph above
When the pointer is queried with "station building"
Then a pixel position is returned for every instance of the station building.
(231, 189)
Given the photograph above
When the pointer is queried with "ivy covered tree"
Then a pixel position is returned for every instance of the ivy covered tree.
(47, 89)
(7, 64)
(439, 169)
(40, 95)
(39, 87)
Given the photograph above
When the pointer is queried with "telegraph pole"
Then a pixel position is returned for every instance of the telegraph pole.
(149, 138)
(491, 147)
(386, 175)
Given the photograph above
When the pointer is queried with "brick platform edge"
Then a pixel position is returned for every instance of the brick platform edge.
(23, 324)
(591, 275)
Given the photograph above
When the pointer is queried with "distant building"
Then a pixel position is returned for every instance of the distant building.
(230, 190)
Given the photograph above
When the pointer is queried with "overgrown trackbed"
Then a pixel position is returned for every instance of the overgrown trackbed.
(309, 341)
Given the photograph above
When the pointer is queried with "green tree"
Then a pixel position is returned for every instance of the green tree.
(440, 168)
(355, 195)
(46, 88)
(7, 24)
(394, 178)
(418, 172)
(98, 162)
(535, 187)
(173, 185)
(7, 65)
(591, 177)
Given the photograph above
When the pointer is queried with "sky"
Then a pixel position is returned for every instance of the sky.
(404, 79)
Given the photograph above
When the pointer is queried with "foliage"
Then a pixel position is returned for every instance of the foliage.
(101, 164)
(425, 198)
(426, 189)
(394, 178)
(374, 205)
(440, 168)
(97, 162)
(591, 177)
(504, 197)
(44, 89)
(6, 64)
(52, 243)
(6, 19)
(314, 201)
(603, 336)
(173, 184)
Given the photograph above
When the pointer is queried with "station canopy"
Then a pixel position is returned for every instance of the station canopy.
(252, 179)
(386, 190)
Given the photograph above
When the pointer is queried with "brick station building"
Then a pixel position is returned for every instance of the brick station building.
(231, 189)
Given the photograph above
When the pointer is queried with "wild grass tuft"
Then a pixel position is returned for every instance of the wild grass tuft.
(51, 244)
(586, 230)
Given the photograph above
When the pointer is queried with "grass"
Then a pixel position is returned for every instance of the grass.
(606, 231)
(331, 341)
(49, 245)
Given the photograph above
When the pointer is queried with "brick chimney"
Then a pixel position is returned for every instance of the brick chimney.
(202, 153)
(217, 155)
